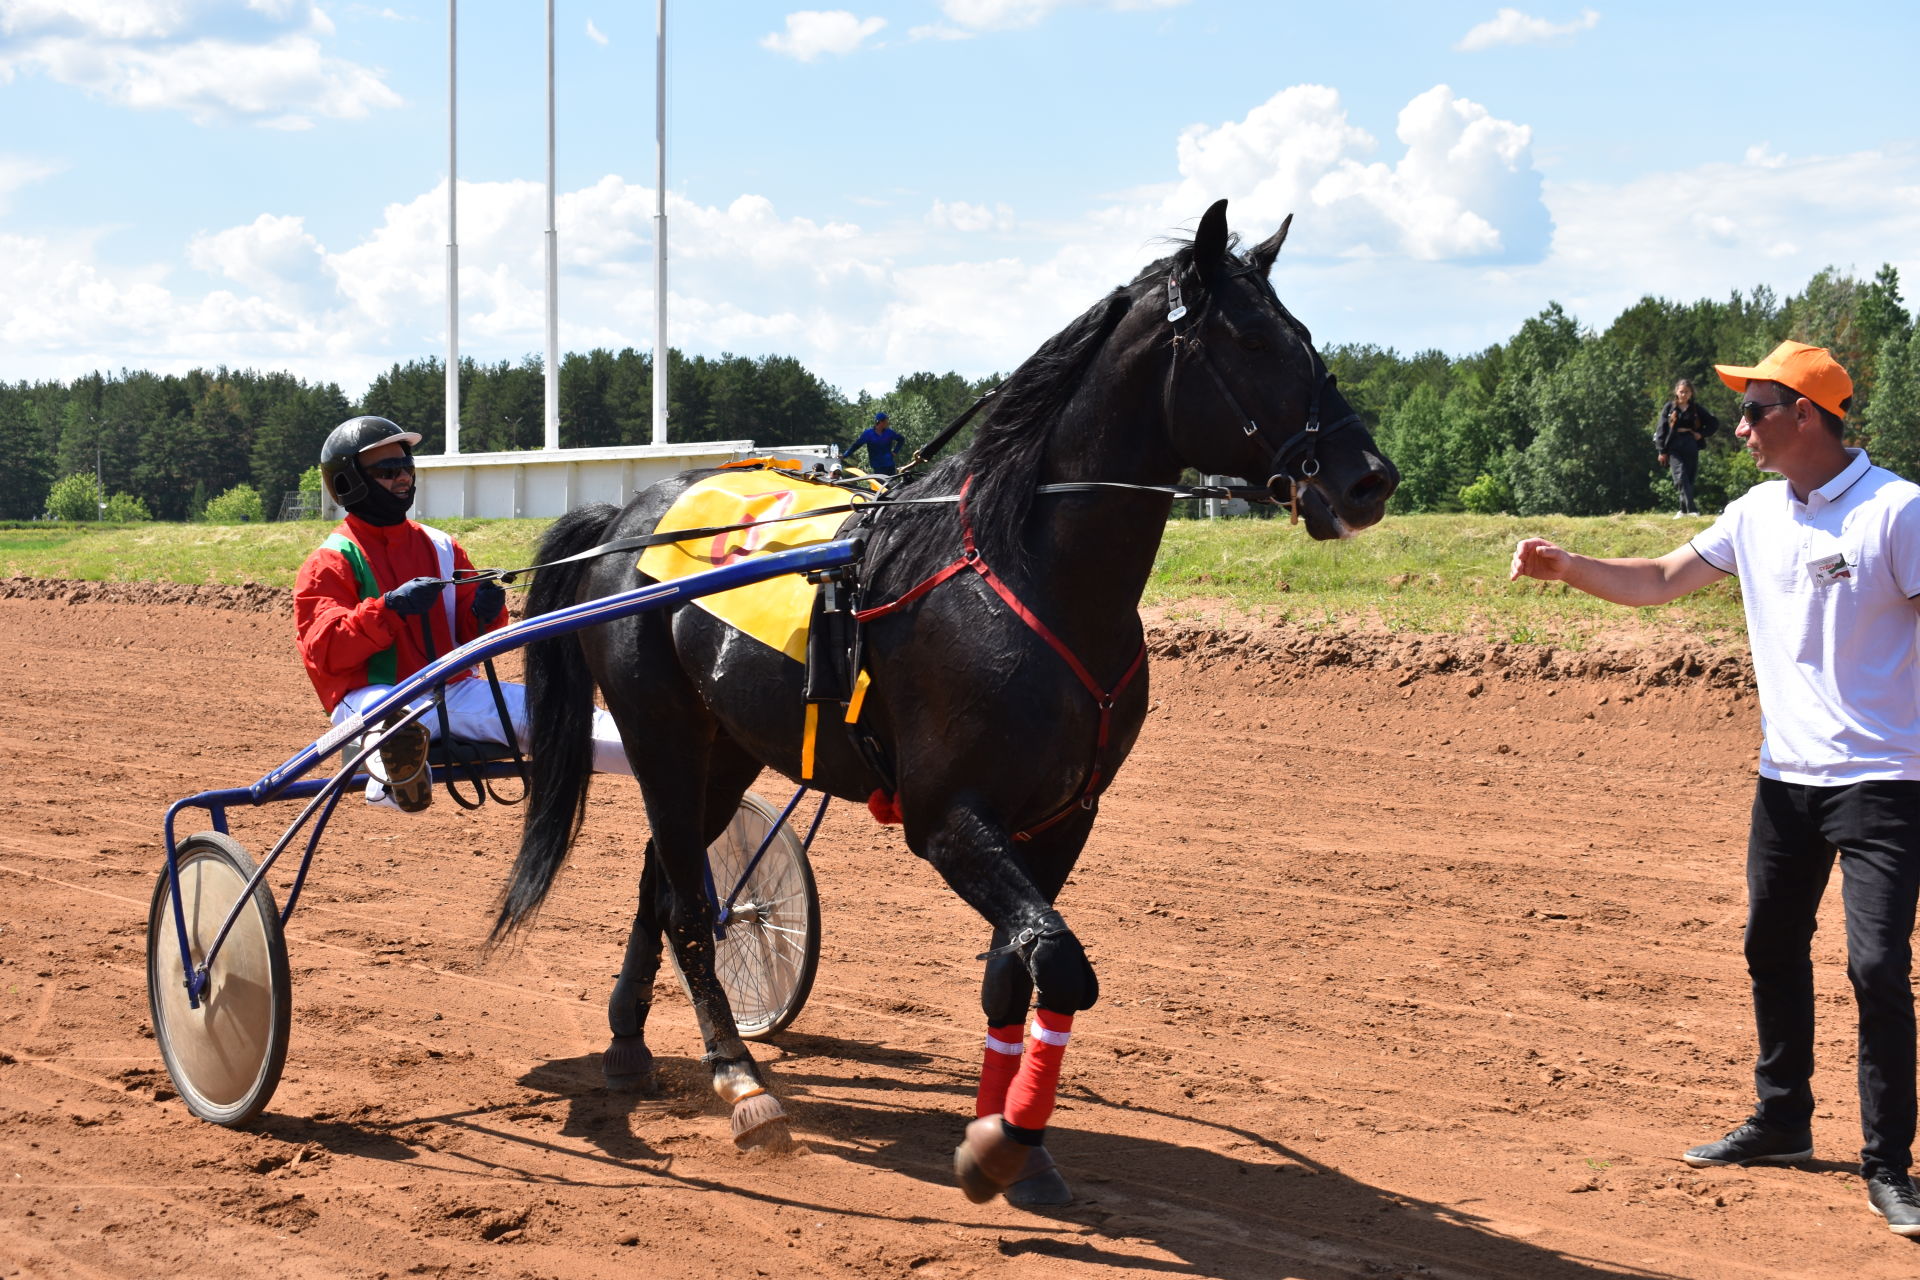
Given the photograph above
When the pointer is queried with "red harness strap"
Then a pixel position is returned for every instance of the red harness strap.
(970, 558)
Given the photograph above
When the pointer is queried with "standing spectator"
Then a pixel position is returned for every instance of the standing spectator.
(1829, 566)
(879, 440)
(1683, 425)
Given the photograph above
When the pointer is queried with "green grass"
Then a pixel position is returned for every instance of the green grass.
(1426, 574)
(213, 553)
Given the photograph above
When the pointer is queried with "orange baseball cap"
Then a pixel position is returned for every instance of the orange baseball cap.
(1811, 371)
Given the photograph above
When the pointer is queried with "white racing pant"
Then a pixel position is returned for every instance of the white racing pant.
(471, 715)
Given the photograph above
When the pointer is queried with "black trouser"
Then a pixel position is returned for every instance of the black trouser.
(1683, 459)
(1875, 828)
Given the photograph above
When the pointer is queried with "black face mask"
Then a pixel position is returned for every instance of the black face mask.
(380, 506)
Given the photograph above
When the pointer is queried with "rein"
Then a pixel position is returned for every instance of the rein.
(641, 541)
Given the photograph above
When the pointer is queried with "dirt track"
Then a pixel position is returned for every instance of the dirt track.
(1408, 971)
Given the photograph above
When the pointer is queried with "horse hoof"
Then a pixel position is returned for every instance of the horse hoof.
(1039, 1185)
(987, 1161)
(628, 1065)
(760, 1122)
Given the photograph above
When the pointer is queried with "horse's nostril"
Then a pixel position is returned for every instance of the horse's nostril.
(1368, 490)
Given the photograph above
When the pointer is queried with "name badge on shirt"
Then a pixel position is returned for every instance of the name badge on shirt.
(1830, 568)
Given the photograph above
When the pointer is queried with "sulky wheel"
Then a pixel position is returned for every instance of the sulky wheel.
(225, 1056)
(767, 959)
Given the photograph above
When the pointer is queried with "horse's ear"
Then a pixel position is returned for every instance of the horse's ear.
(1210, 241)
(1267, 250)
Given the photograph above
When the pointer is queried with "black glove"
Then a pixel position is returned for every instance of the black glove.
(410, 599)
(489, 598)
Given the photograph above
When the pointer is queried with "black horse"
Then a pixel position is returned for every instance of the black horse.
(1001, 704)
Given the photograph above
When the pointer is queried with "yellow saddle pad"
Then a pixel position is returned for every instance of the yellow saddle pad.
(775, 612)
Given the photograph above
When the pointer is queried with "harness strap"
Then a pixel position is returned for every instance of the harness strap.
(1104, 698)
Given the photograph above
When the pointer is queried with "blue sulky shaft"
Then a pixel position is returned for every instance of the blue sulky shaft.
(283, 783)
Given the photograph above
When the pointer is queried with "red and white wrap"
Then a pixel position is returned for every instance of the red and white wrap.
(999, 1064)
(1030, 1098)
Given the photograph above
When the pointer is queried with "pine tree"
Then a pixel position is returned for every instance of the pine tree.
(1892, 419)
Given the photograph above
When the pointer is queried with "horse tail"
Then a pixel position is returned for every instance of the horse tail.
(559, 723)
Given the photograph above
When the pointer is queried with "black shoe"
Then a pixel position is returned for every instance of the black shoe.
(403, 768)
(1891, 1195)
(1753, 1143)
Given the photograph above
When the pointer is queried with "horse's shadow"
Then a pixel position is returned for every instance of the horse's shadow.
(1280, 1212)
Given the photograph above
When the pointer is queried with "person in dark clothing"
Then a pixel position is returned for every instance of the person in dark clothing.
(1684, 423)
(879, 440)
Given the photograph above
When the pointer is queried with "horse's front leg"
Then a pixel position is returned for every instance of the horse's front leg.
(1034, 953)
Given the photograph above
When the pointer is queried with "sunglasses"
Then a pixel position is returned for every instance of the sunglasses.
(1753, 410)
(391, 468)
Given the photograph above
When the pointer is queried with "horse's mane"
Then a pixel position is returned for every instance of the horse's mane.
(1004, 458)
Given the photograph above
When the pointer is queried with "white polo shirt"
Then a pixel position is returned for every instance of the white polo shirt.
(1828, 585)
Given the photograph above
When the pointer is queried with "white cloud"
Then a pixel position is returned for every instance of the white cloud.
(961, 216)
(272, 255)
(22, 171)
(595, 34)
(812, 32)
(1000, 15)
(1463, 187)
(1510, 26)
(1441, 236)
(938, 31)
(194, 56)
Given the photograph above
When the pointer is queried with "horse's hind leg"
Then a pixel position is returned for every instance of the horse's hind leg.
(628, 1063)
(681, 834)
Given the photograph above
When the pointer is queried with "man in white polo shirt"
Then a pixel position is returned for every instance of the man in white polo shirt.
(1829, 565)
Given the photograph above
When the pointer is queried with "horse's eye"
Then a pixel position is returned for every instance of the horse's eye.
(1253, 342)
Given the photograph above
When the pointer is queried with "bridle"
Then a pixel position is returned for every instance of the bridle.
(1300, 448)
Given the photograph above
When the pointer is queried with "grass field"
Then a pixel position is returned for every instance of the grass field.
(1445, 573)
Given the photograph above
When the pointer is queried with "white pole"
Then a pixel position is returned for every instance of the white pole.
(660, 230)
(453, 246)
(553, 266)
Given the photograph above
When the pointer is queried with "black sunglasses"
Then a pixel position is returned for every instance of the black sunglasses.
(1753, 410)
(391, 468)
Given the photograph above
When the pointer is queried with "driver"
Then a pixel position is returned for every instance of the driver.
(359, 599)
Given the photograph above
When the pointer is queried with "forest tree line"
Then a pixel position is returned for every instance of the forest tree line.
(1558, 418)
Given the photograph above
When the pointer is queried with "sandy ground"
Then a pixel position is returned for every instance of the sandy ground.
(1420, 959)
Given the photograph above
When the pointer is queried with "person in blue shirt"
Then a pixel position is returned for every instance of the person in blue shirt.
(879, 440)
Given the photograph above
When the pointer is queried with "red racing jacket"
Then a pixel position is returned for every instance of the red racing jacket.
(348, 637)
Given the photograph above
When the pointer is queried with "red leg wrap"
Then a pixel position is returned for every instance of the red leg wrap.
(998, 1066)
(1030, 1100)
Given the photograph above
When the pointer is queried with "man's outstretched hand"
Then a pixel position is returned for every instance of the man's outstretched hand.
(1538, 558)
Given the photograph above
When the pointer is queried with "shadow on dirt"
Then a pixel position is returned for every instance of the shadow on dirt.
(1276, 1211)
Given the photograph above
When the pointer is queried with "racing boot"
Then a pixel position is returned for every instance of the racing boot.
(403, 767)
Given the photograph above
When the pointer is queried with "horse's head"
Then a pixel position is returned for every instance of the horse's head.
(1247, 394)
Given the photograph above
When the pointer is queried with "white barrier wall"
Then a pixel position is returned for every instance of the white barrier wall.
(550, 483)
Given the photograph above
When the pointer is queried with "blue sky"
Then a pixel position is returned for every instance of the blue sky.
(929, 184)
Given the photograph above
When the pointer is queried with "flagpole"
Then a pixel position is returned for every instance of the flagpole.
(660, 229)
(453, 241)
(553, 265)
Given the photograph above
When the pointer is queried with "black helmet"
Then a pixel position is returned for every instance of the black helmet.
(348, 441)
